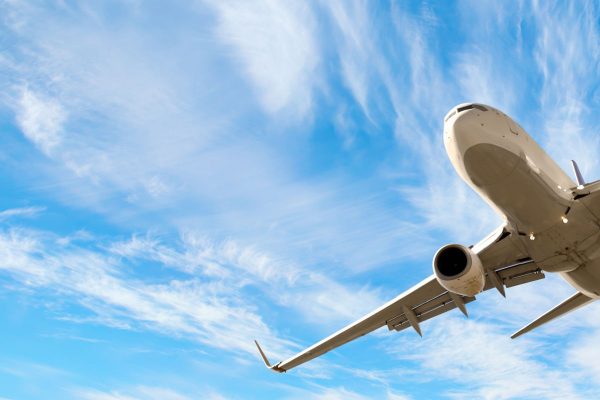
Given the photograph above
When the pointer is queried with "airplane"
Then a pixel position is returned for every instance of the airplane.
(551, 224)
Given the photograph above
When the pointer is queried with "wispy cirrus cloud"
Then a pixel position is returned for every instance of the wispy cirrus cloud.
(276, 45)
(567, 51)
(355, 47)
(26, 212)
(459, 350)
(466, 357)
(207, 312)
(136, 393)
(342, 393)
(337, 394)
(476, 71)
(24, 369)
(132, 146)
(451, 206)
(208, 303)
(41, 119)
(413, 102)
(449, 201)
(320, 299)
(181, 128)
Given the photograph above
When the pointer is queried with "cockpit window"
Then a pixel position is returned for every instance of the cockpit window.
(468, 107)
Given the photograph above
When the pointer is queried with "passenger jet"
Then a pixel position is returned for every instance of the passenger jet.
(551, 224)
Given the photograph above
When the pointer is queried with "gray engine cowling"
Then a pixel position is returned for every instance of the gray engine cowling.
(459, 270)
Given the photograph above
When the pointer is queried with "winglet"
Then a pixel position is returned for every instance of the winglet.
(275, 367)
(580, 181)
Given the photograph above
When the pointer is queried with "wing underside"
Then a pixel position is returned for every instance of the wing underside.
(428, 299)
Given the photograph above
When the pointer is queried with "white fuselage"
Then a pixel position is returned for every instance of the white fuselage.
(511, 172)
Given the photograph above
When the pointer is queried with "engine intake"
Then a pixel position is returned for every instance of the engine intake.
(459, 270)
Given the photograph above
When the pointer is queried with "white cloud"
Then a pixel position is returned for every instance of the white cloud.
(156, 187)
(27, 212)
(584, 355)
(30, 370)
(337, 394)
(328, 303)
(479, 358)
(155, 393)
(41, 119)
(90, 394)
(147, 147)
(208, 304)
(566, 52)
(209, 312)
(212, 395)
(275, 42)
(442, 200)
(357, 54)
(135, 393)
(342, 393)
(320, 299)
(483, 80)
(396, 396)
(486, 364)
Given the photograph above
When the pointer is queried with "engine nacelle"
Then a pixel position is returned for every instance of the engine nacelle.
(459, 270)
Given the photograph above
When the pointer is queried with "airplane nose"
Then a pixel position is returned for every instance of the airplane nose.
(461, 127)
(474, 132)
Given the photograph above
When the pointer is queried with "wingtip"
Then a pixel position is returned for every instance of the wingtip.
(262, 354)
(275, 367)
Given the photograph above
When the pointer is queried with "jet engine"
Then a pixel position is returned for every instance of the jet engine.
(459, 270)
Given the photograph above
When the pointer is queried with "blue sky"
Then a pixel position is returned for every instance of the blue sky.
(180, 180)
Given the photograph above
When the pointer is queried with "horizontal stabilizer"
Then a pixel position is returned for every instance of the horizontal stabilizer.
(572, 303)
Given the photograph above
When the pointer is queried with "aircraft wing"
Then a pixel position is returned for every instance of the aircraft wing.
(505, 264)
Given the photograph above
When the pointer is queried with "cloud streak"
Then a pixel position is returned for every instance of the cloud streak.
(566, 53)
(137, 393)
(277, 49)
(26, 212)
(41, 120)
(207, 312)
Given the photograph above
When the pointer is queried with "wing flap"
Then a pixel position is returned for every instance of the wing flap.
(524, 278)
(523, 272)
(431, 309)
